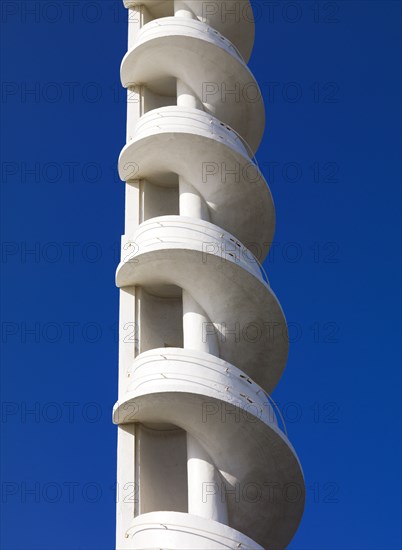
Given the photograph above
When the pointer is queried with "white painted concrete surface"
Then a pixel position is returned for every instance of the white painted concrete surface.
(202, 461)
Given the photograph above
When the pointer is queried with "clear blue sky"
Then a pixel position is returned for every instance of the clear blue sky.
(330, 74)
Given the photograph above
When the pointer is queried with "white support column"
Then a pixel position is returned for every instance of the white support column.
(205, 496)
(191, 204)
(186, 97)
(126, 438)
(175, 468)
(182, 9)
(195, 324)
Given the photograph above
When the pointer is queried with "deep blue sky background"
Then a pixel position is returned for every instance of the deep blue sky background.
(336, 266)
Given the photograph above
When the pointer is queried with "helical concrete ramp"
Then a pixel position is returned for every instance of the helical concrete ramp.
(212, 467)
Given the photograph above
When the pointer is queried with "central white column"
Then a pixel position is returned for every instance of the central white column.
(196, 335)
(204, 484)
(204, 481)
(191, 204)
(185, 96)
(205, 497)
(181, 9)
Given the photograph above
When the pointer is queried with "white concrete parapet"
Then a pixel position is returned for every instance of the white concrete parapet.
(202, 461)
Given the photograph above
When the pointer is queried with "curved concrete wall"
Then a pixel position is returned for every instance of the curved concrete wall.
(202, 460)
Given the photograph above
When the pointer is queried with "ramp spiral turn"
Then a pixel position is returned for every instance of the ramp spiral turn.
(202, 463)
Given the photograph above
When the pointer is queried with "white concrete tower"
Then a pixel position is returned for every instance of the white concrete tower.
(202, 463)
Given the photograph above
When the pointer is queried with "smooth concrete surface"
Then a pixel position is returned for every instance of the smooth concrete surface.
(171, 48)
(201, 472)
(159, 321)
(174, 142)
(202, 337)
(162, 484)
(226, 17)
(174, 531)
(263, 481)
(217, 375)
(194, 321)
(200, 258)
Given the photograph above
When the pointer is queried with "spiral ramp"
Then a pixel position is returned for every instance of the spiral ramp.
(202, 462)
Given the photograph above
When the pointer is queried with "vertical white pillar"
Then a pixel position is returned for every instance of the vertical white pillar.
(195, 324)
(205, 496)
(182, 9)
(191, 204)
(186, 97)
(126, 435)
